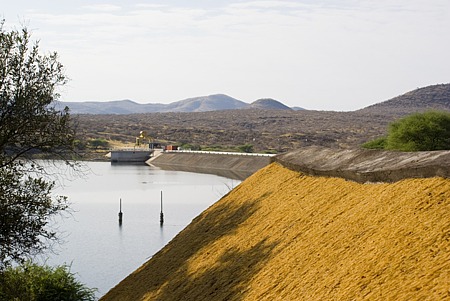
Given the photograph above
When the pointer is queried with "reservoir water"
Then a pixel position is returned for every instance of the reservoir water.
(100, 251)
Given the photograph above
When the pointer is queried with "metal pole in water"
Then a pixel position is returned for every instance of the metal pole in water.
(120, 212)
(161, 215)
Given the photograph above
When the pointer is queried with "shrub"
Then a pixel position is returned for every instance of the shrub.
(33, 282)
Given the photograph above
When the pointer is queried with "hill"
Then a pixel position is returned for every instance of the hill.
(268, 104)
(284, 235)
(422, 99)
(216, 102)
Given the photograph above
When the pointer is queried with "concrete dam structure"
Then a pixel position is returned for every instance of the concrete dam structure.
(226, 164)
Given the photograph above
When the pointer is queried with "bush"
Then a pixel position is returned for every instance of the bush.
(417, 132)
(32, 282)
(99, 143)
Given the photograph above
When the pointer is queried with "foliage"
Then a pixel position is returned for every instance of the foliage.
(379, 143)
(417, 132)
(29, 121)
(29, 124)
(32, 282)
(420, 132)
(246, 148)
(26, 206)
(98, 143)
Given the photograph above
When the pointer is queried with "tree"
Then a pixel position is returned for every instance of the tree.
(420, 132)
(30, 124)
(417, 132)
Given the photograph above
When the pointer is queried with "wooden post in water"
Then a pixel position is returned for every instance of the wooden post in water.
(120, 213)
(161, 215)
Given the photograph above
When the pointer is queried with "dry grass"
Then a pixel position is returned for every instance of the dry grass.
(282, 235)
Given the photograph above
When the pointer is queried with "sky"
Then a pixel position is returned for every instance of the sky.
(338, 55)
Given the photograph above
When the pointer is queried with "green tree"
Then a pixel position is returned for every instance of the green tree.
(417, 132)
(30, 123)
(420, 132)
(32, 282)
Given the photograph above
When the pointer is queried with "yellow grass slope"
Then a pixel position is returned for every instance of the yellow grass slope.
(282, 235)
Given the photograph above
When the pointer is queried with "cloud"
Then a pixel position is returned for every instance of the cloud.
(251, 49)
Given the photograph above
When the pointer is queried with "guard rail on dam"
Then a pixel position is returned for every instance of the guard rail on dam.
(220, 153)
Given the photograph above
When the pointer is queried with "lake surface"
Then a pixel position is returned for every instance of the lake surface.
(100, 251)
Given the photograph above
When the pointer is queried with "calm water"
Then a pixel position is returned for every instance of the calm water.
(99, 250)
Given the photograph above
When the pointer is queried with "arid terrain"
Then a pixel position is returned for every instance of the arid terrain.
(266, 130)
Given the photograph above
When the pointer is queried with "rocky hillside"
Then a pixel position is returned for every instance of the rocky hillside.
(422, 99)
(285, 235)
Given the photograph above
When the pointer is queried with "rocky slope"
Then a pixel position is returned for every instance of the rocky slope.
(362, 165)
(285, 235)
(435, 97)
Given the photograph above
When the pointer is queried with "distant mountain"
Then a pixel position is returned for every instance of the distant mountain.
(268, 104)
(432, 97)
(216, 102)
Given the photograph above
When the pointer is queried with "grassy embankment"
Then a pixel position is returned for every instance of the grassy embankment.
(282, 235)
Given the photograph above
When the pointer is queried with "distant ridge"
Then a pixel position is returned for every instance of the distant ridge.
(216, 102)
(431, 97)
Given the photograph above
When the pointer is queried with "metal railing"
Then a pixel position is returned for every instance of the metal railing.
(221, 153)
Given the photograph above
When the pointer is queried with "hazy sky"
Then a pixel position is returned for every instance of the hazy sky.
(323, 55)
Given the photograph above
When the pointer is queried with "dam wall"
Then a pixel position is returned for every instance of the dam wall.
(231, 165)
(359, 165)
